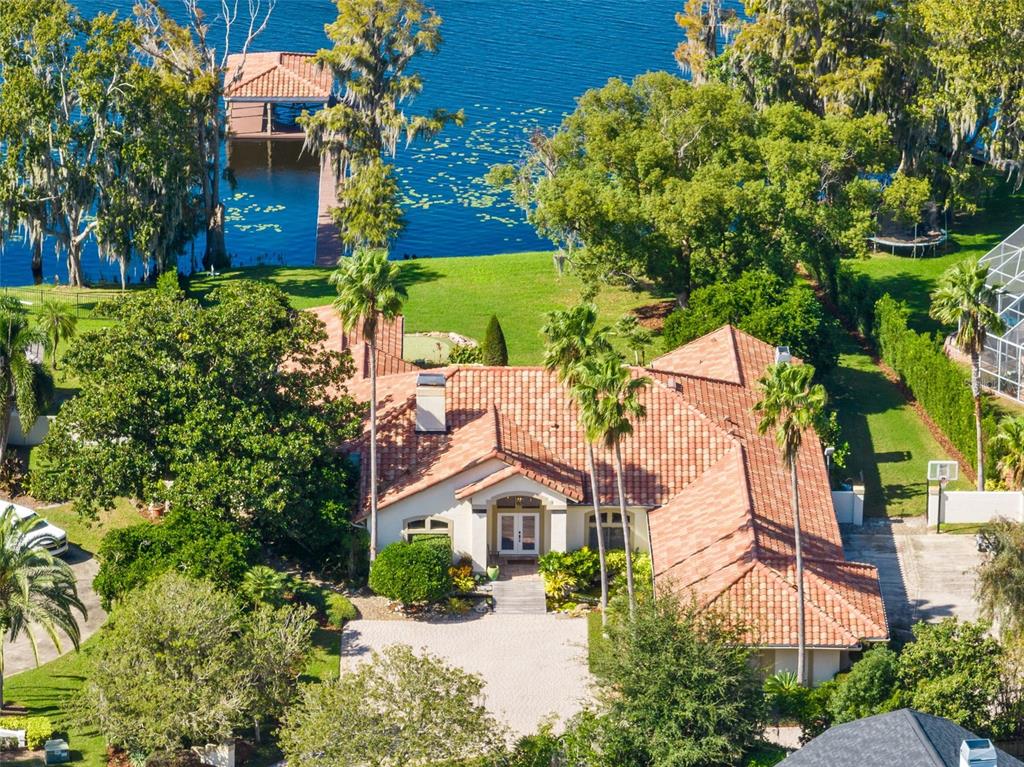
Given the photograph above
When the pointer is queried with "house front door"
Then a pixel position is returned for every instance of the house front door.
(518, 533)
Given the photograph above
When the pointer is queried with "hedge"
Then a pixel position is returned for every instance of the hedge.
(855, 297)
(939, 384)
(413, 572)
(340, 610)
(38, 729)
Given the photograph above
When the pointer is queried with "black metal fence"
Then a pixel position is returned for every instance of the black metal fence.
(84, 301)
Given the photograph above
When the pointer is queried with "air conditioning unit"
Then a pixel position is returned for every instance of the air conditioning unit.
(782, 355)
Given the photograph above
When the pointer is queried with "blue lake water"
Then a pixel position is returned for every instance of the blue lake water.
(512, 65)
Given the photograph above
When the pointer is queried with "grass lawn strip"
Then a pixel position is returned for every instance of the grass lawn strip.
(889, 441)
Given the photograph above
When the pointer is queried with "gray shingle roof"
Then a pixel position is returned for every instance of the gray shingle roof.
(905, 737)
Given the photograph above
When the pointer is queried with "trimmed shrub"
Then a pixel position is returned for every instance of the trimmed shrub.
(939, 384)
(494, 351)
(340, 610)
(38, 729)
(464, 354)
(573, 569)
(616, 561)
(413, 572)
(129, 558)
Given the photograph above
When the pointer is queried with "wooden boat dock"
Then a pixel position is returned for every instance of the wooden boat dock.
(328, 241)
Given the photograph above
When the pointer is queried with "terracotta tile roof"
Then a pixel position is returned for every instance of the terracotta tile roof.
(718, 493)
(277, 75)
(390, 345)
(711, 356)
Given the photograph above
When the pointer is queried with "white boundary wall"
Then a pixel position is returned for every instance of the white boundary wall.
(849, 505)
(971, 506)
(36, 434)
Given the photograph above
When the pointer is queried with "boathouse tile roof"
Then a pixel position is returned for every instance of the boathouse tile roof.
(277, 75)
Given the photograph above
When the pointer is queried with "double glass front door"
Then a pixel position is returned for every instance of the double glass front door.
(518, 533)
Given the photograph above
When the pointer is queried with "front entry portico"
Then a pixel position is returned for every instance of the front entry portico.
(518, 533)
(513, 519)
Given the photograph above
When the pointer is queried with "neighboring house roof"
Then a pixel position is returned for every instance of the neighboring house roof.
(906, 738)
(390, 346)
(718, 494)
(277, 75)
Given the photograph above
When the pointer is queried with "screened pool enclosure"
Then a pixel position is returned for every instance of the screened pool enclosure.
(1002, 362)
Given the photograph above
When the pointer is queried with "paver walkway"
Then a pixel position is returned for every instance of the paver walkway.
(18, 655)
(532, 665)
(924, 576)
(519, 590)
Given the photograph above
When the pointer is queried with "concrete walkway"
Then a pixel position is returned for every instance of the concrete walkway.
(18, 655)
(519, 591)
(532, 665)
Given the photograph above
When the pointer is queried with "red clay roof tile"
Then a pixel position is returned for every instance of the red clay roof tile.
(277, 75)
(718, 493)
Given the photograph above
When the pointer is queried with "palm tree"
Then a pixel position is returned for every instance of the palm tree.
(965, 299)
(23, 380)
(572, 337)
(999, 589)
(37, 590)
(636, 336)
(609, 397)
(58, 320)
(790, 405)
(1010, 438)
(369, 290)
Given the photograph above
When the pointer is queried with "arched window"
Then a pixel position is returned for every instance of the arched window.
(418, 528)
(611, 526)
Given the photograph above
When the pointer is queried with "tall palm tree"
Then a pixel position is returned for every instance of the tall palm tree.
(572, 338)
(965, 299)
(23, 379)
(369, 290)
(790, 405)
(1010, 438)
(58, 321)
(37, 590)
(609, 397)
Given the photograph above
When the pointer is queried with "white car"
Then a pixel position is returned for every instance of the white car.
(41, 533)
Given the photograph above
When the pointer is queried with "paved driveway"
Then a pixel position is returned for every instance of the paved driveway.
(924, 575)
(18, 655)
(532, 665)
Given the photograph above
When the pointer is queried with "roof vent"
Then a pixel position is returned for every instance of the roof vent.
(977, 752)
(782, 355)
(430, 403)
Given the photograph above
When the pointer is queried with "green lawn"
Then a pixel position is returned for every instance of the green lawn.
(913, 279)
(87, 533)
(461, 294)
(47, 691)
(889, 442)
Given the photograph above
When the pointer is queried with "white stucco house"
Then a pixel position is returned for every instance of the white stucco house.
(493, 457)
